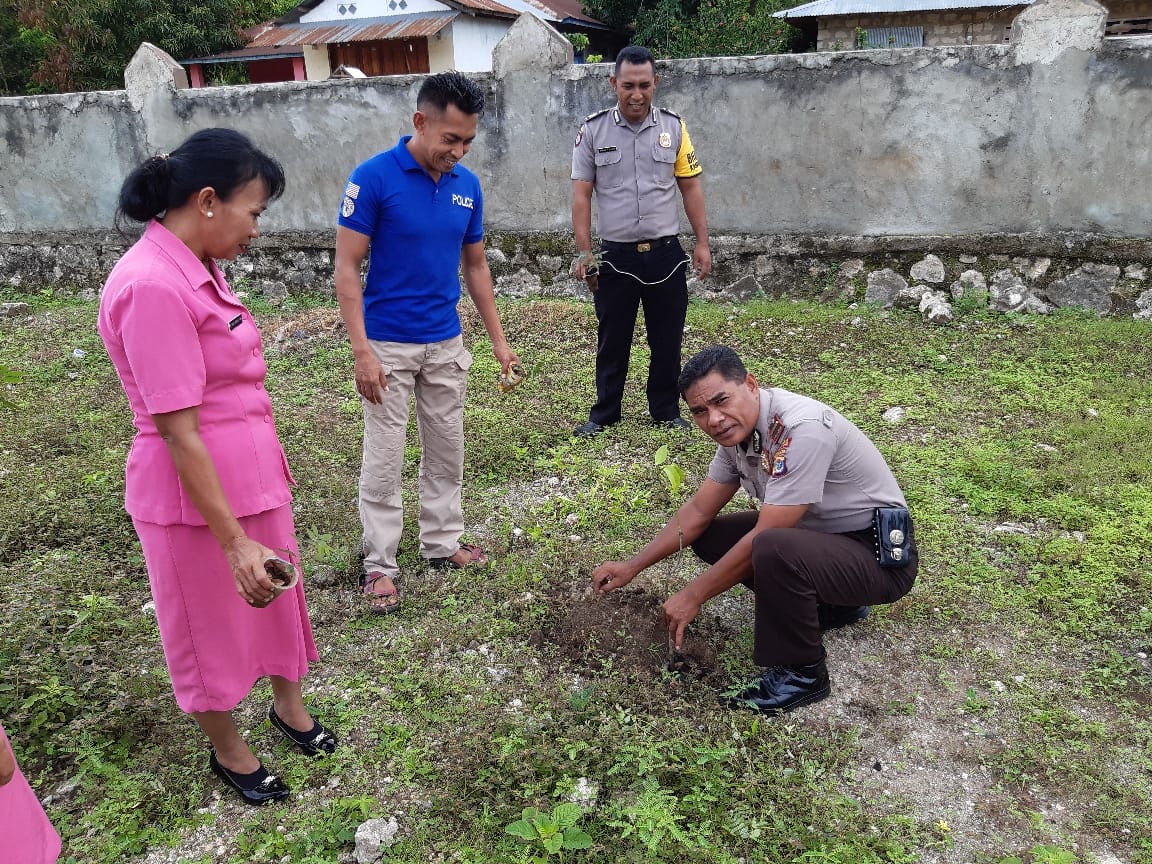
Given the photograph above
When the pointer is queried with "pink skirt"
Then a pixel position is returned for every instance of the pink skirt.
(26, 835)
(216, 645)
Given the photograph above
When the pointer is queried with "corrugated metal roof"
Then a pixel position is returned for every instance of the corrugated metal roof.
(250, 53)
(824, 8)
(561, 10)
(363, 30)
(483, 6)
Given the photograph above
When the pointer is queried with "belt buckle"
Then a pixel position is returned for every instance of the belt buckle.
(643, 247)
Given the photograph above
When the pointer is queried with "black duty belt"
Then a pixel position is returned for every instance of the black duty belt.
(639, 245)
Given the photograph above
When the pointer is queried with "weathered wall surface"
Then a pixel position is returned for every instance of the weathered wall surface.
(955, 27)
(1038, 147)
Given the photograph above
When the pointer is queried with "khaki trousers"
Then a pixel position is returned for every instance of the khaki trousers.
(437, 373)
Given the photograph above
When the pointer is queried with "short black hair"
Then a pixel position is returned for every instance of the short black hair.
(221, 158)
(637, 55)
(450, 88)
(718, 358)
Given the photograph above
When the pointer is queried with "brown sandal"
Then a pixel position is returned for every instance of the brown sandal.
(477, 557)
(373, 598)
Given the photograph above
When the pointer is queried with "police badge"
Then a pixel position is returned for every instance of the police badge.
(348, 208)
(775, 461)
(665, 140)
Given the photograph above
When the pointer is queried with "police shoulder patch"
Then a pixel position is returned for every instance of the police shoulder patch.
(670, 113)
(596, 114)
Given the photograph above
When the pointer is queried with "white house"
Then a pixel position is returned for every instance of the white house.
(394, 37)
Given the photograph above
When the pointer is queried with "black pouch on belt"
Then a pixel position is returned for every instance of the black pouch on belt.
(893, 529)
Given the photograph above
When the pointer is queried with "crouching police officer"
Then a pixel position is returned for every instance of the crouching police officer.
(832, 535)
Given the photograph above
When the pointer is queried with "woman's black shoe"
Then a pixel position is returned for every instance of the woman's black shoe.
(257, 788)
(316, 741)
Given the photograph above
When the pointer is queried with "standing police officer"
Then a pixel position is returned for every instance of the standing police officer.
(832, 532)
(635, 156)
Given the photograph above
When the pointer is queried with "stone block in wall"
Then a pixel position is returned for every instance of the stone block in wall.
(851, 268)
(883, 286)
(523, 283)
(970, 284)
(1032, 269)
(1008, 293)
(744, 288)
(1090, 286)
(929, 269)
(1144, 307)
(910, 297)
(935, 308)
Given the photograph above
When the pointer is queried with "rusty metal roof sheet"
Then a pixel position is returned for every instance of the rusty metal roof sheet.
(490, 6)
(568, 11)
(363, 30)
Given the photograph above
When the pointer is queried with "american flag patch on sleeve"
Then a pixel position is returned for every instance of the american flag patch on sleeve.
(353, 191)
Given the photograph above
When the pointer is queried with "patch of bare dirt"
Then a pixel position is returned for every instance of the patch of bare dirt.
(306, 327)
(625, 631)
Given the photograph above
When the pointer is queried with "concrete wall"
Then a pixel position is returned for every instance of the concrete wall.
(1036, 147)
(959, 27)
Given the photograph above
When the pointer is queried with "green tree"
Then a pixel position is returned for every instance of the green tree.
(700, 28)
(68, 45)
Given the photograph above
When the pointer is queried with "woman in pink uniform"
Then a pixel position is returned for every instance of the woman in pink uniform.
(207, 482)
(26, 835)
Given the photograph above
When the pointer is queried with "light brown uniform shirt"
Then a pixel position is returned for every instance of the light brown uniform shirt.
(803, 452)
(634, 171)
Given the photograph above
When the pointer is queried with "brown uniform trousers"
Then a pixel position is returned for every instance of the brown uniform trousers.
(794, 570)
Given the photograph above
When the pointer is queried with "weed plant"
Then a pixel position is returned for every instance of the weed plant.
(1020, 657)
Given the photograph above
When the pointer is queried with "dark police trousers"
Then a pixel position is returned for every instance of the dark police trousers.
(793, 570)
(665, 305)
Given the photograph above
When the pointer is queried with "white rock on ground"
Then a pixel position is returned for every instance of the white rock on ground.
(374, 836)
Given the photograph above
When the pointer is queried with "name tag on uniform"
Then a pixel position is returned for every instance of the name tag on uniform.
(605, 149)
(235, 322)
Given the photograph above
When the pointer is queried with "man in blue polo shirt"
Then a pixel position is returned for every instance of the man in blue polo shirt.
(418, 216)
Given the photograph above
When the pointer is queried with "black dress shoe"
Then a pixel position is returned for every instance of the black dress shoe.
(674, 423)
(589, 428)
(316, 741)
(783, 688)
(833, 617)
(256, 788)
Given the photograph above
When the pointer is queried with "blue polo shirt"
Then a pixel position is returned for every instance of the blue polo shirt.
(417, 228)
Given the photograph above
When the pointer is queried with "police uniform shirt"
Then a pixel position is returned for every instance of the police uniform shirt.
(634, 172)
(803, 452)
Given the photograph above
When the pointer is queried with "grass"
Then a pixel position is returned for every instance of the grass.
(998, 712)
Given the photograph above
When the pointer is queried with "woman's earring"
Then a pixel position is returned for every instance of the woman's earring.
(210, 214)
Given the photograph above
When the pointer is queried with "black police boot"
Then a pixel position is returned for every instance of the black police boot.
(783, 688)
(832, 617)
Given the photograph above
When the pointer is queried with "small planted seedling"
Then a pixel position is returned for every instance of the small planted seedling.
(550, 833)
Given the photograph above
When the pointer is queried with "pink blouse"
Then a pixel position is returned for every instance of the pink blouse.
(178, 338)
